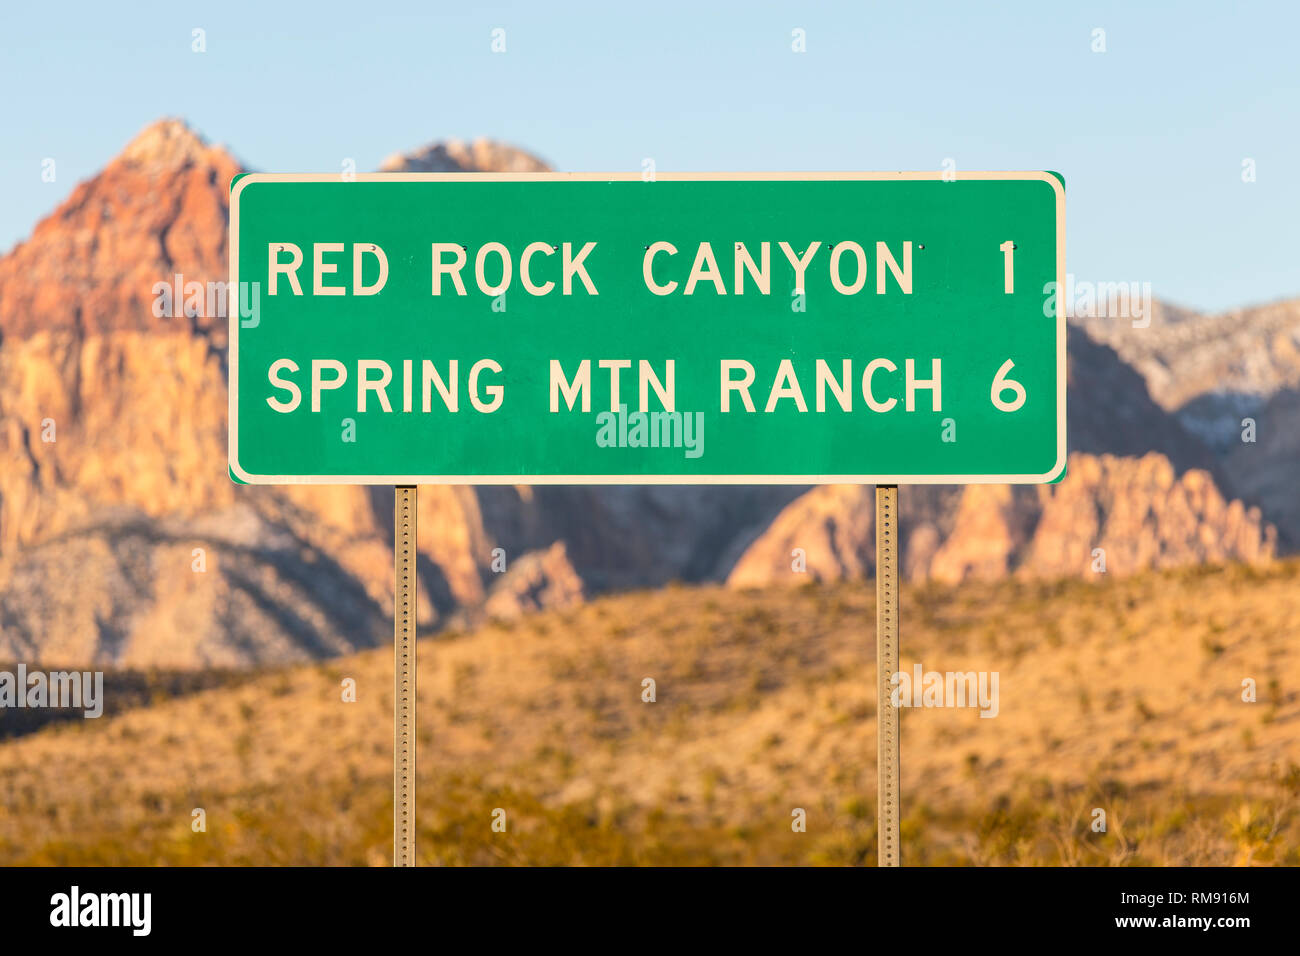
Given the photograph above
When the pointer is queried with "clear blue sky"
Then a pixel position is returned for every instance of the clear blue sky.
(1150, 135)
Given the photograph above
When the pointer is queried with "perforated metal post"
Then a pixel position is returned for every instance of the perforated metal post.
(404, 550)
(887, 762)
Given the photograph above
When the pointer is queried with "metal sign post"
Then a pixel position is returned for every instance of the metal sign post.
(887, 760)
(404, 551)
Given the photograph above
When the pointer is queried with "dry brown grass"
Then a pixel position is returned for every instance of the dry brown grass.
(1120, 694)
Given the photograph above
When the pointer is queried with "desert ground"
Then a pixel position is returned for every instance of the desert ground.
(1123, 695)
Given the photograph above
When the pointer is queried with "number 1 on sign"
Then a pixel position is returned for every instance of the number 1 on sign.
(1008, 267)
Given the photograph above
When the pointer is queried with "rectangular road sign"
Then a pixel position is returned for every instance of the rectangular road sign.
(593, 328)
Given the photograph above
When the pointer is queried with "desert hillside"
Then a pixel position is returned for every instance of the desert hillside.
(1123, 694)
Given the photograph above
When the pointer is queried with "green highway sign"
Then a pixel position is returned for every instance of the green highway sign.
(878, 328)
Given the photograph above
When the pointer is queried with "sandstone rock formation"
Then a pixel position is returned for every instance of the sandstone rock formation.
(1216, 372)
(540, 579)
(1139, 486)
(112, 417)
(1139, 512)
(103, 401)
(455, 156)
(227, 590)
(111, 406)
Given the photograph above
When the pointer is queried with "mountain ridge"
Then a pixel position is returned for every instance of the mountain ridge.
(137, 403)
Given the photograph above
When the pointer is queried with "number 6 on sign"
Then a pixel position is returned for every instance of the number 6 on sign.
(1002, 384)
(1008, 267)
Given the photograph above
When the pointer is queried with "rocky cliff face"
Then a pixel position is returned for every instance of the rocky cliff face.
(1111, 515)
(113, 443)
(1210, 369)
(1139, 487)
(123, 542)
(1229, 379)
(103, 400)
(1267, 470)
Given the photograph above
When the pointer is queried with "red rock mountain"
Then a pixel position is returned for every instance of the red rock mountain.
(1231, 379)
(123, 542)
(1139, 487)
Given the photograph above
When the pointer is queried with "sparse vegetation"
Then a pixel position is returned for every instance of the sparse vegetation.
(764, 704)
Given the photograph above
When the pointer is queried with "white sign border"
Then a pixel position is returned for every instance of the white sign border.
(249, 179)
